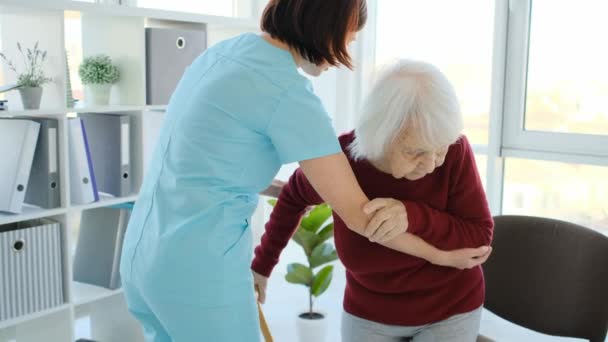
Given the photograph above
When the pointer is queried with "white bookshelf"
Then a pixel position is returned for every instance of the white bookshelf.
(87, 294)
(55, 113)
(28, 21)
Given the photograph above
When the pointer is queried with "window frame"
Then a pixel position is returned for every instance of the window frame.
(519, 142)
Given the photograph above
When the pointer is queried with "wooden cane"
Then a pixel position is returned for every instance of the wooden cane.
(263, 323)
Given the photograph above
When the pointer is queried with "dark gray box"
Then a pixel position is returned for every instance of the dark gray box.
(168, 53)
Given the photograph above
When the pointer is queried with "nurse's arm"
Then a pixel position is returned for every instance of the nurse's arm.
(333, 179)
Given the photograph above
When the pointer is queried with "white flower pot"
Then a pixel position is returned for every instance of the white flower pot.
(312, 330)
(97, 94)
(30, 97)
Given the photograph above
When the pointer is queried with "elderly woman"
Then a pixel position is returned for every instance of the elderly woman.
(407, 146)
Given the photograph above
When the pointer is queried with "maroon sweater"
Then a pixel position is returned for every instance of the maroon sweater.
(447, 208)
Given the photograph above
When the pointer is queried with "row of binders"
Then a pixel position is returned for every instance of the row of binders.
(99, 160)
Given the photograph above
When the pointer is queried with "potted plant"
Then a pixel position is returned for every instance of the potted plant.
(98, 74)
(313, 235)
(30, 81)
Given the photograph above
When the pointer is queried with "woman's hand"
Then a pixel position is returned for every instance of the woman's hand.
(389, 220)
(274, 189)
(260, 283)
(463, 258)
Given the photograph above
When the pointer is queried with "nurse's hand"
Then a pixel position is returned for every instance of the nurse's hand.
(274, 189)
(389, 220)
(260, 282)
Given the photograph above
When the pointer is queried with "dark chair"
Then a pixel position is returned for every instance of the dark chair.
(549, 276)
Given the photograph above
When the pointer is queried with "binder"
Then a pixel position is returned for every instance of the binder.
(83, 185)
(109, 143)
(44, 188)
(168, 53)
(18, 140)
(99, 247)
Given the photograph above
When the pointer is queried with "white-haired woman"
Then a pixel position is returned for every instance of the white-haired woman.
(407, 145)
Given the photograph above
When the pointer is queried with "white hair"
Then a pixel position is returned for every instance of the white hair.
(407, 95)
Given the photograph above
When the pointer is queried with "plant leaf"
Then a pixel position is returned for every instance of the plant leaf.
(326, 233)
(322, 280)
(306, 239)
(322, 254)
(272, 201)
(298, 274)
(316, 217)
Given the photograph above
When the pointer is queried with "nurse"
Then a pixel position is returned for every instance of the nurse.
(240, 111)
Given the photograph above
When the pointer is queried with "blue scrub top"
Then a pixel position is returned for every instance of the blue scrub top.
(240, 111)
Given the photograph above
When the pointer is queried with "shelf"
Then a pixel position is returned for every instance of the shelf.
(127, 11)
(30, 317)
(34, 113)
(62, 111)
(104, 201)
(156, 108)
(116, 108)
(85, 293)
(30, 213)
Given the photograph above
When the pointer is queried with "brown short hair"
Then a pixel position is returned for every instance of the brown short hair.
(316, 29)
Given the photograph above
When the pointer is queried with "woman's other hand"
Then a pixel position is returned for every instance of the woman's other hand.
(389, 220)
(274, 189)
(465, 258)
(261, 283)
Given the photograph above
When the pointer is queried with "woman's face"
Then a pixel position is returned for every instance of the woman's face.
(316, 70)
(408, 158)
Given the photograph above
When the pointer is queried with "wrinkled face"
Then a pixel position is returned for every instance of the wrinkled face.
(316, 70)
(408, 158)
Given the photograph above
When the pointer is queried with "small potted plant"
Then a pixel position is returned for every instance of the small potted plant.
(30, 81)
(313, 235)
(98, 74)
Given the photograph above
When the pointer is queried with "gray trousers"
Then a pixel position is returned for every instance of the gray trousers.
(458, 328)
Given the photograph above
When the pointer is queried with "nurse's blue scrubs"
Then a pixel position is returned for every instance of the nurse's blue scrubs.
(239, 112)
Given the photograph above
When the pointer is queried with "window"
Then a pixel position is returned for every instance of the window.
(482, 166)
(567, 83)
(212, 7)
(73, 45)
(3, 66)
(556, 78)
(570, 192)
(457, 39)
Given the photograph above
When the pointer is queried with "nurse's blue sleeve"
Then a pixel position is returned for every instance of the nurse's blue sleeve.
(300, 128)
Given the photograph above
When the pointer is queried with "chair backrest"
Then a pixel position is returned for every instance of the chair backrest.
(549, 276)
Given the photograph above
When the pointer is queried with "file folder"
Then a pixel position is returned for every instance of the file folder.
(44, 189)
(109, 143)
(99, 247)
(168, 53)
(83, 185)
(18, 140)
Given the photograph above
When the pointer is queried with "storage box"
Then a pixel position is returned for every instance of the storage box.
(31, 271)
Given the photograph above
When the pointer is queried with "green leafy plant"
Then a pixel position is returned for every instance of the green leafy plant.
(33, 59)
(313, 235)
(98, 69)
